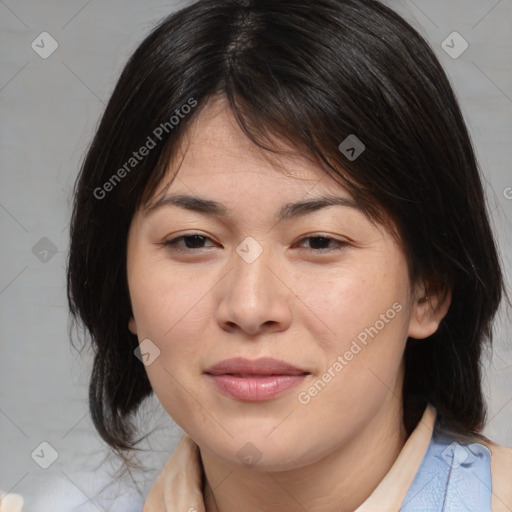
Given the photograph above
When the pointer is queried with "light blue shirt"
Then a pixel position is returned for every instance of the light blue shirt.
(454, 476)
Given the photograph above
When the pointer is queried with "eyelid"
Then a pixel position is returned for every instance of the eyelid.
(168, 242)
(172, 242)
(339, 243)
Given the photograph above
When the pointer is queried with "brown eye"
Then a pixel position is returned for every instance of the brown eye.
(187, 242)
(322, 243)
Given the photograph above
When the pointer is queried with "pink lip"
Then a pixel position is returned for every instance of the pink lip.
(255, 380)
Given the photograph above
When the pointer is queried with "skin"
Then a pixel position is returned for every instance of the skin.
(298, 302)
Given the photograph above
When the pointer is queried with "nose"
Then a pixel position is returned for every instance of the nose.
(253, 298)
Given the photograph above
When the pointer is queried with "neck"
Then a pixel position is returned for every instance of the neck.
(339, 482)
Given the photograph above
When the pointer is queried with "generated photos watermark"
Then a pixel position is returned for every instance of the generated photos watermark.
(151, 142)
(305, 397)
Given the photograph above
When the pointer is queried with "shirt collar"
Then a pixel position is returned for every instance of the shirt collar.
(181, 481)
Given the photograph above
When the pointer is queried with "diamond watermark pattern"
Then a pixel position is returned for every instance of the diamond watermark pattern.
(44, 250)
(44, 455)
(455, 454)
(352, 147)
(249, 250)
(147, 352)
(454, 45)
(44, 45)
(249, 454)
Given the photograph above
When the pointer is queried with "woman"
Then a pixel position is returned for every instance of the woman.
(280, 229)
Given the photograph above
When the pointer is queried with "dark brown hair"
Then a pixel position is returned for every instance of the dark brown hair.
(310, 73)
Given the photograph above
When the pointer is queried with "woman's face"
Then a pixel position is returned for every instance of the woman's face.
(252, 280)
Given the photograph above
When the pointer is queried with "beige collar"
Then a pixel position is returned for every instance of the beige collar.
(179, 486)
(390, 494)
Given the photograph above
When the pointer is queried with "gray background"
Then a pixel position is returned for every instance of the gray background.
(48, 111)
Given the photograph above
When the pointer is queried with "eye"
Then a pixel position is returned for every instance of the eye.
(321, 243)
(194, 242)
(191, 242)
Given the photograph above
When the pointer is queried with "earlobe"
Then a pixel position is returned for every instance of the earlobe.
(427, 313)
(132, 326)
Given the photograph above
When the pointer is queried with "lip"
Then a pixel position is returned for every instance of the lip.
(255, 380)
(260, 366)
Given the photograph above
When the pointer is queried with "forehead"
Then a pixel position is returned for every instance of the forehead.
(219, 172)
(215, 153)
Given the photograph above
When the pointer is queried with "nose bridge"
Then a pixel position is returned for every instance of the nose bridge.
(251, 276)
(253, 297)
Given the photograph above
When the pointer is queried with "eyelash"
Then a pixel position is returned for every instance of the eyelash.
(172, 244)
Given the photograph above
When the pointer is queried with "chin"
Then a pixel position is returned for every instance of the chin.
(254, 449)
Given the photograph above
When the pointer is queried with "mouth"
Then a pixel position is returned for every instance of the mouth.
(263, 366)
(255, 380)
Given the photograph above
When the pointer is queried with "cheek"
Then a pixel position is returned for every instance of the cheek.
(169, 310)
(172, 314)
(363, 315)
(357, 302)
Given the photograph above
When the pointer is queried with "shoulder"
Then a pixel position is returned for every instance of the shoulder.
(501, 473)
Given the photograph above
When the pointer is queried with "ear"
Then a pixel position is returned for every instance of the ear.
(428, 309)
(132, 325)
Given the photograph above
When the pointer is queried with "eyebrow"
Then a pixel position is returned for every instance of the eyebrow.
(288, 211)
